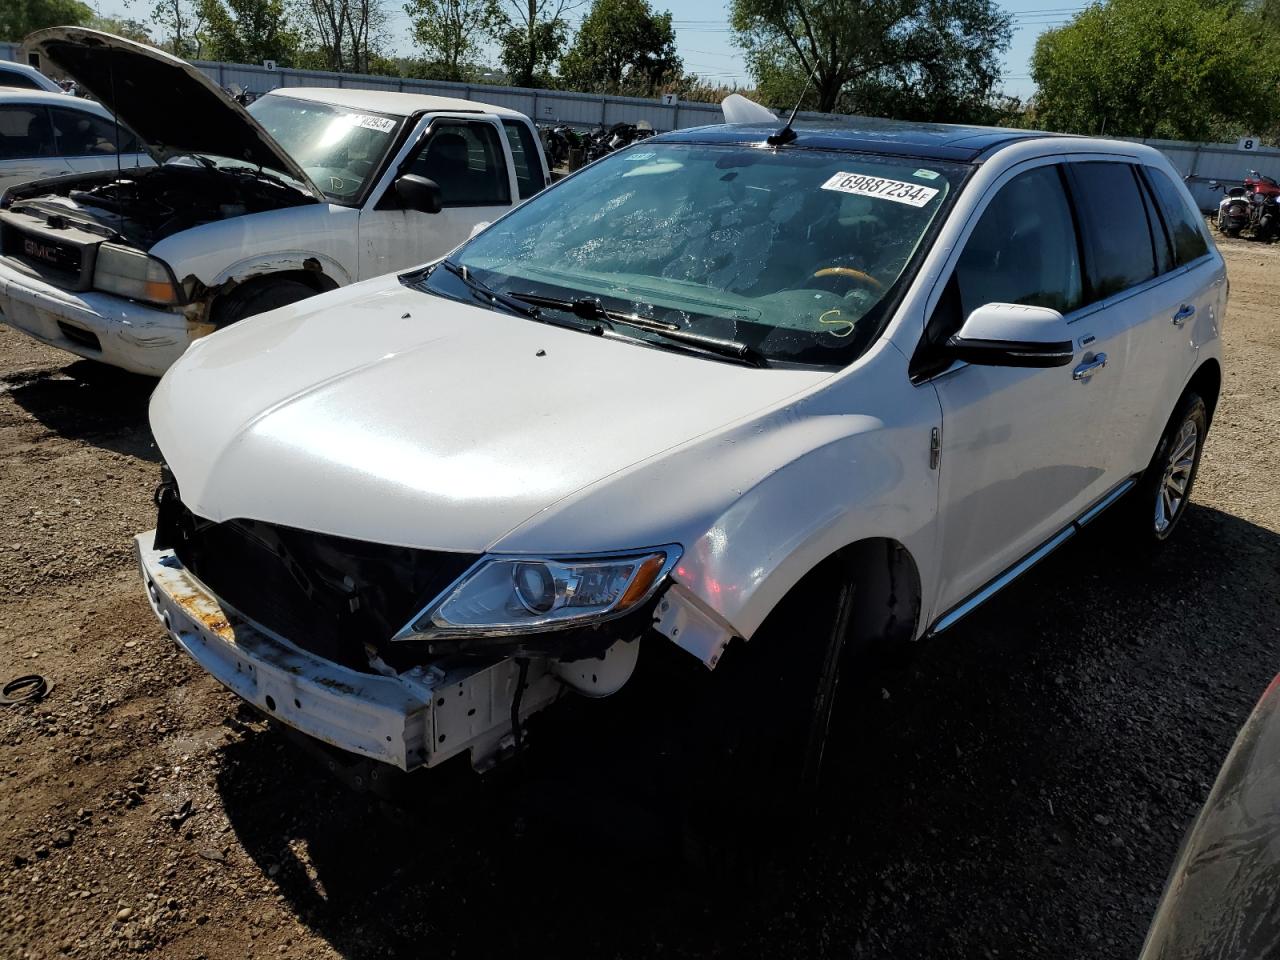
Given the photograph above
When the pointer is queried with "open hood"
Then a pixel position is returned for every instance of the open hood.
(172, 107)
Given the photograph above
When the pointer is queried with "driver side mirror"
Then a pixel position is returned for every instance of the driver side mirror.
(1011, 335)
(418, 193)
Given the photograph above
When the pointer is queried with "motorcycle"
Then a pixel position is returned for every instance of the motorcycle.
(1264, 205)
(1254, 207)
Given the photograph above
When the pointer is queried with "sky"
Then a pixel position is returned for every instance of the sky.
(704, 41)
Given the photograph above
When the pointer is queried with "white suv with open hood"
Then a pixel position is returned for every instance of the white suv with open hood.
(806, 389)
(309, 190)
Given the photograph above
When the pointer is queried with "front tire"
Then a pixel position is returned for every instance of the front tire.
(751, 753)
(1164, 490)
(257, 297)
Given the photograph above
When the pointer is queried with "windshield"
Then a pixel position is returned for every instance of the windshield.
(341, 150)
(796, 253)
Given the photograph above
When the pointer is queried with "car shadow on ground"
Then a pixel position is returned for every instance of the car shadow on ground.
(1017, 787)
(91, 402)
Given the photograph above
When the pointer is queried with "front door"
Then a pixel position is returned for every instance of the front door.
(1023, 451)
(468, 159)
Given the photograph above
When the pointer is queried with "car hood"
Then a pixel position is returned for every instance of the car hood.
(385, 414)
(170, 104)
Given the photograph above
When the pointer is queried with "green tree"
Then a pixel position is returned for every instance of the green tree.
(20, 17)
(248, 31)
(622, 47)
(917, 59)
(134, 30)
(532, 35)
(342, 35)
(450, 33)
(1178, 69)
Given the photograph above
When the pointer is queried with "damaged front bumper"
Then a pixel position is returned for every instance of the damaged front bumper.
(99, 326)
(418, 718)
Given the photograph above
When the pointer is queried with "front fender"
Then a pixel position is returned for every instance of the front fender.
(759, 504)
(239, 248)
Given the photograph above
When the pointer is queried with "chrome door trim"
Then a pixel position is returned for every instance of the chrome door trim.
(985, 593)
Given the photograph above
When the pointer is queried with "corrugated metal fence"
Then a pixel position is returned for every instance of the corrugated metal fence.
(1199, 162)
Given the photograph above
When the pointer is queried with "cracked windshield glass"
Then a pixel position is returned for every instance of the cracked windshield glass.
(795, 253)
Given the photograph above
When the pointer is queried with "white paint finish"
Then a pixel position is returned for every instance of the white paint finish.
(396, 104)
(445, 430)
(269, 242)
(398, 239)
(136, 338)
(445, 427)
(343, 243)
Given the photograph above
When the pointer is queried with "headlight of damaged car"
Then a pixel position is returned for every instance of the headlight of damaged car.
(512, 595)
(134, 274)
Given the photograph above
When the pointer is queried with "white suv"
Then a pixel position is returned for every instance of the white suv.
(766, 397)
(310, 190)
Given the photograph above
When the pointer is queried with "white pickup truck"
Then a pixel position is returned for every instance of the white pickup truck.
(306, 191)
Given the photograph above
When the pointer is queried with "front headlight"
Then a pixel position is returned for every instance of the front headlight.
(502, 596)
(134, 274)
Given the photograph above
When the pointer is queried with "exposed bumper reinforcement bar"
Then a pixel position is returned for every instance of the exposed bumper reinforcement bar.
(419, 718)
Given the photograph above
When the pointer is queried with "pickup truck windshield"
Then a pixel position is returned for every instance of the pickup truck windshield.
(797, 254)
(340, 149)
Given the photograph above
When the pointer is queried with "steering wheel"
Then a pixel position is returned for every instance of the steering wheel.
(860, 276)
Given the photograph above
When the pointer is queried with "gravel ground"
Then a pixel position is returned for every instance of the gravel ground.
(1018, 789)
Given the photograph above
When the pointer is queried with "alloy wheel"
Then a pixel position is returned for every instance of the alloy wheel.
(1171, 494)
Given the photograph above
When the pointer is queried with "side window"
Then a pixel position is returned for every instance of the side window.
(21, 81)
(524, 153)
(466, 160)
(1182, 221)
(1023, 250)
(81, 134)
(25, 132)
(1114, 219)
(1160, 241)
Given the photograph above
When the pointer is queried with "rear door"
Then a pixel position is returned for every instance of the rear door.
(28, 150)
(88, 142)
(470, 160)
(1183, 310)
(1129, 261)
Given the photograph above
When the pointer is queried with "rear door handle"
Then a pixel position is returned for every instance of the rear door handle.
(1089, 367)
(1185, 313)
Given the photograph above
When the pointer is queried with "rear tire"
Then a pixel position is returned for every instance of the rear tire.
(257, 297)
(1164, 490)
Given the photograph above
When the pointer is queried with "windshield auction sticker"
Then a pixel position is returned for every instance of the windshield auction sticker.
(381, 124)
(898, 191)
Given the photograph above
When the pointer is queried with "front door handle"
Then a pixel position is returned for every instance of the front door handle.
(1185, 313)
(1089, 367)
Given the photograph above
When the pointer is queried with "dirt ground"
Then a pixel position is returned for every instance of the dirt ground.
(1017, 790)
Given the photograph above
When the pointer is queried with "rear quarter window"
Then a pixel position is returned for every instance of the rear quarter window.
(1180, 220)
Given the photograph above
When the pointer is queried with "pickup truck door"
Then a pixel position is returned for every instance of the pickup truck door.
(469, 157)
(1023, 451)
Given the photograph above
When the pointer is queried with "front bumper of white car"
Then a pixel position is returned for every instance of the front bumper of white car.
(418, 718)
(99, 326)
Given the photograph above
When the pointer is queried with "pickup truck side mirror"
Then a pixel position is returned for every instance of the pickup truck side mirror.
(1011, 335)
(418, 193)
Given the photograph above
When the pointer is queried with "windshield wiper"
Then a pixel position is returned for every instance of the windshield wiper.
(590, 309)
(512, 304)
